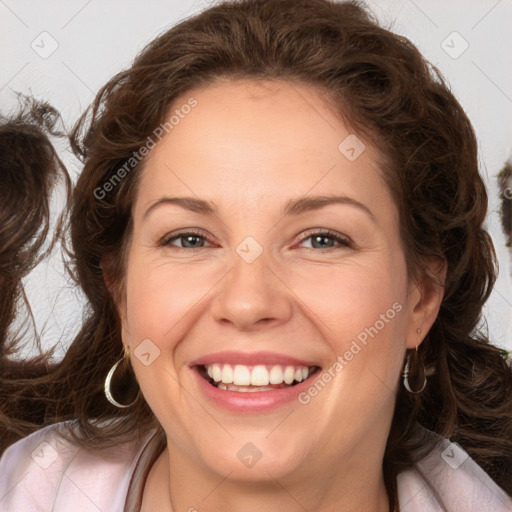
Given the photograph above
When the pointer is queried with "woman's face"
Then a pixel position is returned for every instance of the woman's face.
(259, 293)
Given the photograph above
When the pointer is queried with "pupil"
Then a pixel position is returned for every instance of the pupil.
(189, 238)
(318, 238)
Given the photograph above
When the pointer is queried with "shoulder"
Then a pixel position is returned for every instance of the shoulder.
(45, 472)
(448, 479)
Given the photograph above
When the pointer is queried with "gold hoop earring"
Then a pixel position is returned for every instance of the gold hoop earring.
(414, 367)
(124, 382)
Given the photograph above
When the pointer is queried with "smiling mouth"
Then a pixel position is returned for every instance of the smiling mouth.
(255, 378)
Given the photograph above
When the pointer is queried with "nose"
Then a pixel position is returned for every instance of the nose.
(252, 295)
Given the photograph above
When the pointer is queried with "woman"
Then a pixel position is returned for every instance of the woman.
(279, 231)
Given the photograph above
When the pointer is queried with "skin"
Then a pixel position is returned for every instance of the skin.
(249, 147)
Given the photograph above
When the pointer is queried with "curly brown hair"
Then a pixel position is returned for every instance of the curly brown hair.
(384, 89)
(30, 169)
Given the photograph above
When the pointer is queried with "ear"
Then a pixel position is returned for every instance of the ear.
(112, 283)
(425, 297)
(114, 288)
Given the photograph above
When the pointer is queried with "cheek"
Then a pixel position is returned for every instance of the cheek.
(360, 309)
(159, 298)
(351, 298)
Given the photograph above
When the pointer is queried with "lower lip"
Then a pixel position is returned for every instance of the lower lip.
(250, 402)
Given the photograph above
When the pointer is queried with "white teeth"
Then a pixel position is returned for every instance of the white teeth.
(241, 375)
(247, 389)
(227, 374)
(259, 375)
(276, 375)
(289, 374)
(217, 373)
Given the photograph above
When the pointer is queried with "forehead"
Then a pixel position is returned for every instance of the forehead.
(250, 141)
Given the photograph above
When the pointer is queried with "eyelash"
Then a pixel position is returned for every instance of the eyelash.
(327, 233)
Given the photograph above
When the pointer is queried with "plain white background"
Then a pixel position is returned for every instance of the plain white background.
(63, 51)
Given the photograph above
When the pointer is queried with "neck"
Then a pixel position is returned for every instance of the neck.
(178, 483)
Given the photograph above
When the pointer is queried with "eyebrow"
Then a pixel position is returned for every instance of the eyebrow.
(292, 207)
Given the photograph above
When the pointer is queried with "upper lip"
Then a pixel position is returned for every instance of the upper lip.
(250, 359)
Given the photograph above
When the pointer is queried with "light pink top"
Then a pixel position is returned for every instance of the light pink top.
(42, 472)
